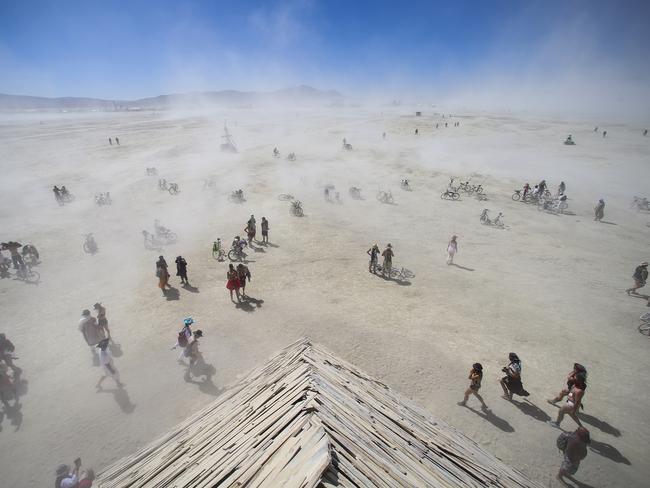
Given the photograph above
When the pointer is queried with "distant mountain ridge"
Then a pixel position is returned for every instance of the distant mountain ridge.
(299, 95)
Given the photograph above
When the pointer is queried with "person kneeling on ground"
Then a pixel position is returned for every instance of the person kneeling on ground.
(511, 383)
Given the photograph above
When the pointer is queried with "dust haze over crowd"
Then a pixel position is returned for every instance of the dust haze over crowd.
(548, 286)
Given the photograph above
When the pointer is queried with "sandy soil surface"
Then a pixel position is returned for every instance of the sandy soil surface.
(549, 287)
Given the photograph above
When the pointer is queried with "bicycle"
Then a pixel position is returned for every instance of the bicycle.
(399, 274)
(295, 209)
(237, 253)
(166, 235)
(27, 274)
(173, 189)
(450, 194)
(485, 219)
(644, 328)
(355, 192)
(89, 246)
(285, 197)
(237, 196)
(217, 250)
(385, 197)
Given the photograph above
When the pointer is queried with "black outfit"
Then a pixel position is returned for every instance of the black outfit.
(181, 269)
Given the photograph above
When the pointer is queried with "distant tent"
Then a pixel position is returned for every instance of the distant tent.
(308, 419)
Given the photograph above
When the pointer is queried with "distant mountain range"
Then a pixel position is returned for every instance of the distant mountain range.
(294, 96)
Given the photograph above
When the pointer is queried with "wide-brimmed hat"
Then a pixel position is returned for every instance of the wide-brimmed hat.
(644, 263)
(389, 245)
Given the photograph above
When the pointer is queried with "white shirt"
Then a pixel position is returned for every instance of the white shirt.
(70, 482)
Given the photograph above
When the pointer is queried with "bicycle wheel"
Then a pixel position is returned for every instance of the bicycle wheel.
(87, 248)
(32, 276)
(232, 255)
(516, 197)
(443, 196)
(215, 254)
(407, 274)
(455, 196)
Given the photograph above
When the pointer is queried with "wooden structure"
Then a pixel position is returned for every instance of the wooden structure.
(308, 419)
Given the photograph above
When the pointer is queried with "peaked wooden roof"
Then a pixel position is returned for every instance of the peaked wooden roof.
(310, 419)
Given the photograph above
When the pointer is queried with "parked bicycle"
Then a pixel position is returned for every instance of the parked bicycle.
(399, 274)
(385, 197)
(450, 194)
(27, 274)
(173, 189)
(355, 193)
(485, 219)
(285, 197)
(90, 246)
(295, 209)
(164, 234)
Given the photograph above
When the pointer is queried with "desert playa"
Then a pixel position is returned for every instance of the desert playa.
(548, 286)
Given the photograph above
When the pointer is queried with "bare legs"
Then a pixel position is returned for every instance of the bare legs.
(469, 392)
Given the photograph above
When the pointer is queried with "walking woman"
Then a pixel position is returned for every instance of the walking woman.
(388, 260)
(181, 270)
(242, 273)
(162, 274)
(475, 377)
(452, 249)
(233, 282)
(511, 383)
(599, 210)
(265, 231)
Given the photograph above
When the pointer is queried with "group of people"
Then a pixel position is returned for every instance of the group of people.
(72, 476)
(251, 230)
(28, 254)
(574, 391)
(387, 255)
(236, 280)
(188, 342)
(62, 195)
(162, 273)
(7, 382)
(97, 335)
(117, 141)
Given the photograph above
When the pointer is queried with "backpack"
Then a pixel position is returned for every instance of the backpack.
(182, 339)
(562, 441)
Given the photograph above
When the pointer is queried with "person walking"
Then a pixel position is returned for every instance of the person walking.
(90, 330)
(183, 337)
(181, 269)
(475, 377)
(191, 350)
(108, 367)
(242, 273)
(117, 140)
(110, 141)
(162, 274)
(388, 254)
(57, 195)
(599, 210)
(574, 448)
(574, 399)
(251, 229)
(7, 353)
(265, 230)
(452, 249)
(373, 252)
(102, 321)
(571, 377)
(561, 189)
(640, 277)
(233, 282)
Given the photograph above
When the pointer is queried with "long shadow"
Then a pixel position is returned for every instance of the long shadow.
(599, 424)
(250, 304)
(532, 410)
(639, 295)
(575, 484)
(190, 288)
(270, 244)
(608, 451)
(201, 368)
(172, 294)
(257, 249)
(394, 280)
(461, 267)
(13, 414)
(607, 222)
(121, 397)
(498, 422)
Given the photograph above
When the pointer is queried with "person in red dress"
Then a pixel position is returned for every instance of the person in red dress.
(233, 281)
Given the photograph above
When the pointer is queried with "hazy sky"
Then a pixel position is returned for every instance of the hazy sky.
(136, 48)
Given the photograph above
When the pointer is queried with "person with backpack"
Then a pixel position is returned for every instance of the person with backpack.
(574, 447)
(162, 274)
(475, 377)
(191, 350)
(184, 336)
(577, 368)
